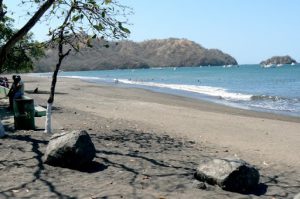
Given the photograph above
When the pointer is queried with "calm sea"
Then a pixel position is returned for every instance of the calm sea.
(251, 87)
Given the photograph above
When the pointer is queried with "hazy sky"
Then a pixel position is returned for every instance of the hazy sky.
(249, 30)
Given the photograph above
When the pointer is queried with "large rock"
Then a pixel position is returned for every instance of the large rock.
(230, 174)
(70, 149)
(279, 60)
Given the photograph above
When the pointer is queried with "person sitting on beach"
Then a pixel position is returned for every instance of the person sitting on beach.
(19, 87)
(11, 93)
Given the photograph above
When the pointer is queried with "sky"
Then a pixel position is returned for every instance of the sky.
(248, 30)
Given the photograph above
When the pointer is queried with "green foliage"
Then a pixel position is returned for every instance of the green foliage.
(103, 19)
(21, 57)
(77, 19)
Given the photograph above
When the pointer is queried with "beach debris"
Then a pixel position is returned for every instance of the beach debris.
(230, 174)
(70, 149)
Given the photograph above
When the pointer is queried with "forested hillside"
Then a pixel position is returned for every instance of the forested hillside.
(127, 54)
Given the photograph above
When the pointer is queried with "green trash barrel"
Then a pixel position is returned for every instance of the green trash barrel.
(24, 113)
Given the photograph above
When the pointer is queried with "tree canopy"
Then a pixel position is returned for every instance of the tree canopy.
(20, 56)
(79, 21)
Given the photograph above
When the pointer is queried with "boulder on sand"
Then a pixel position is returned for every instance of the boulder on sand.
(230, 174)
(70, 149)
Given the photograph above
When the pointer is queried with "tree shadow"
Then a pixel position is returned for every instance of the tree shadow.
(148, 160)
(134, 160)
(35, 147)
(164, 159)
(41, 92)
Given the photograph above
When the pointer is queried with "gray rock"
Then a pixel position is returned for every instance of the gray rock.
(279, 60)
(70, 149)
(230, 174)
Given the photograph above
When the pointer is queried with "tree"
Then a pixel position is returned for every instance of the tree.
(81, 19)
(20, 57)
(2, 10)
(16, 37)
(101, 19)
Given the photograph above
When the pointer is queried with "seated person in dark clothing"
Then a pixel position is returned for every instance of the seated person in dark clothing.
(16, 91)
(19, 88)
(11, 93)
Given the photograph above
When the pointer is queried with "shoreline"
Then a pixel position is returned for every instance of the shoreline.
(212, 105)
(184, 117)
(147, 143)
(190, 95)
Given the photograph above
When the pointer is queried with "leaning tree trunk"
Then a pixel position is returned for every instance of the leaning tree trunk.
(23, 31)
(50, 101)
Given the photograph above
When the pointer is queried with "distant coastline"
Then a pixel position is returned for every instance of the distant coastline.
(170, 52)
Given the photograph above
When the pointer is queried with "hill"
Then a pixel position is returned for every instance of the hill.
(278, 60)
(128, 54)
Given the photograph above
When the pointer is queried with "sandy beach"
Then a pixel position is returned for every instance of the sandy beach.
(148, 145)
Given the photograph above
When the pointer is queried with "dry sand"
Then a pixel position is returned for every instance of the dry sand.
(148, 145)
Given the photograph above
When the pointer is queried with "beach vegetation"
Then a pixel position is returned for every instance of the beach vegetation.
(21, 56)
(82, 22)
(77, 24)
(19, 35)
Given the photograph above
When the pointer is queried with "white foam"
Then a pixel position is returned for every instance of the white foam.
(206, 90)
(83, 77)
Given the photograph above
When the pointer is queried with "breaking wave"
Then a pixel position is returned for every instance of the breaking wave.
(206, 90)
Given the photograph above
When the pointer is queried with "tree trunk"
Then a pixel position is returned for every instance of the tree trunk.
(61, 56)
(23, 31)
(48, 128)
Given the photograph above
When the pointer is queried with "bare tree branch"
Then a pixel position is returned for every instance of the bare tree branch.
(61, 55)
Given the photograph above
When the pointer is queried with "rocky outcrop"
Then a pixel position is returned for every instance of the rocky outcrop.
(70, 149)
(128, 54)
(230, 174)
(278, 60)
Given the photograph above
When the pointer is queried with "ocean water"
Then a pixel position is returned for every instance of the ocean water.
(251, 87)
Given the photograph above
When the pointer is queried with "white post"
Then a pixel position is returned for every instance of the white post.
(2, 131)
(48, 118)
